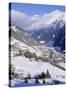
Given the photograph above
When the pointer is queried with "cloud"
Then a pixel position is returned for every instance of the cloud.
(20, 19)
(27, 22)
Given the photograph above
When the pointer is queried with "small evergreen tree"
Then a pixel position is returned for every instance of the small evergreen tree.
(43, 81)
(48, 74)
(36, 80)
(36, 76)
(40, 76)
(43, 75)
(28, 76)
(26, 81)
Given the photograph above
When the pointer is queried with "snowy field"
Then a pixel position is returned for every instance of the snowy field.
(33, 68)
(18, 83)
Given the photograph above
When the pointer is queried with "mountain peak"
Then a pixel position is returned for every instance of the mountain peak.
(57, 12)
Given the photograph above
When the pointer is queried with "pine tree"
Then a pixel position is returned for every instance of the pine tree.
(26, 81)
(48, 74)
(29, 76)
(36, 81)
(43, 75)
(43, 81)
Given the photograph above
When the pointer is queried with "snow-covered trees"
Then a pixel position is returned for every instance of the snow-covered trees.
(43, 75)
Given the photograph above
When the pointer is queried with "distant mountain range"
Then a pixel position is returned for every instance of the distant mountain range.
(48, 29)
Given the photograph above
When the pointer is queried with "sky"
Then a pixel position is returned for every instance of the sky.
(32, 9)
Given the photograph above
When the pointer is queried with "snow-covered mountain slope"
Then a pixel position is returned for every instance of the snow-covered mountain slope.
(22, 36)
(21, 41)
(18, 45)
(38, 50)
